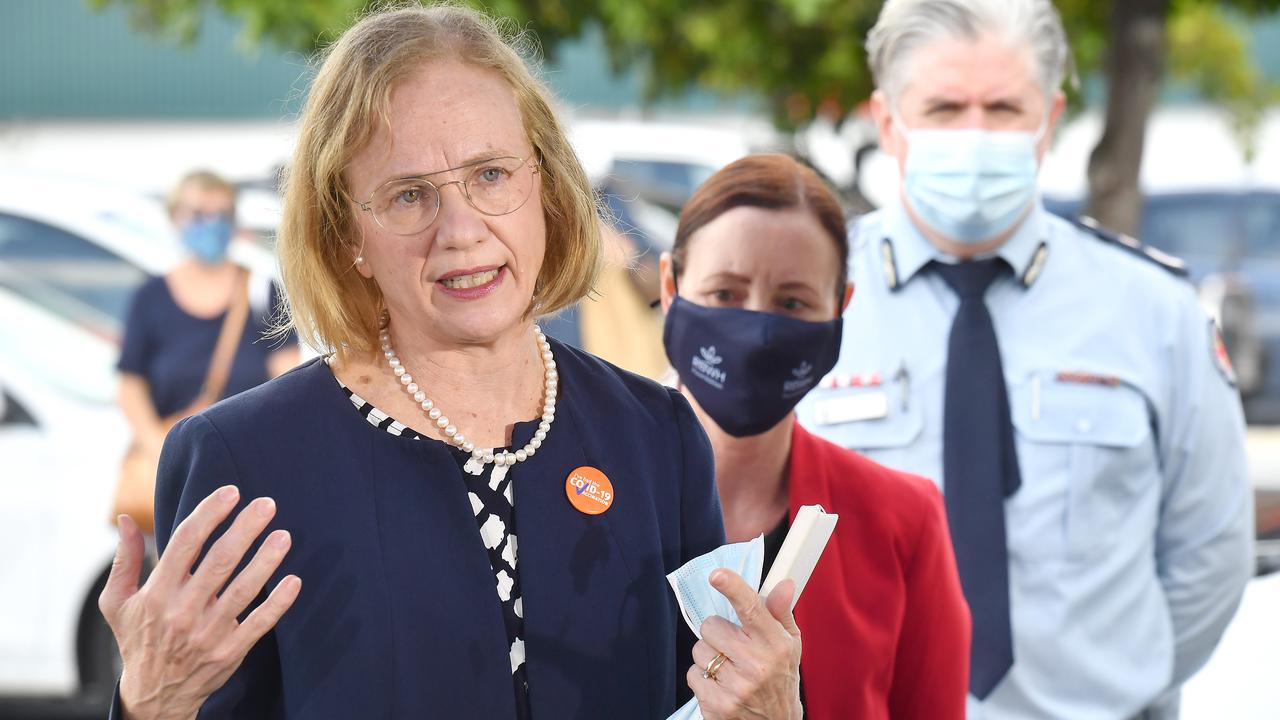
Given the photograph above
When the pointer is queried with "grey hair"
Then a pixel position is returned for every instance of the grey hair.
(906, 25)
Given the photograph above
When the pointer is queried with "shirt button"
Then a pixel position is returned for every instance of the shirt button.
(1084, 426)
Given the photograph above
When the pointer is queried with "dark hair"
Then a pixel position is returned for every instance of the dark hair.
(771, 181)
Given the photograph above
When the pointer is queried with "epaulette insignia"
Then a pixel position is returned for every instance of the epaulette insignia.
(1036, 265)
(1131, 244)
(889, 264)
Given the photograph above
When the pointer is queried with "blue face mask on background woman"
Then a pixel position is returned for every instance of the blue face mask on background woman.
(747, 369)
(208, 237)
(970, 185)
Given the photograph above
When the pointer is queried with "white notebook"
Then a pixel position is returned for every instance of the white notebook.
(806, 539)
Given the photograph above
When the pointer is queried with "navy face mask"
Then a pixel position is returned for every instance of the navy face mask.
(747, 369)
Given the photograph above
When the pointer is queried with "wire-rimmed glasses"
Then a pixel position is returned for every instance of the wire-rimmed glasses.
(495, 186)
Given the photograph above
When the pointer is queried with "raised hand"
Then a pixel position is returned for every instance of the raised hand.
(179, 638)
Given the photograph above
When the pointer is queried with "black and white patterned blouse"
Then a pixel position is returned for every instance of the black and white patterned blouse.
(489, 489)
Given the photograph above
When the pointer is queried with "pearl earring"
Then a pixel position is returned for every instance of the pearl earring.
(359, 259)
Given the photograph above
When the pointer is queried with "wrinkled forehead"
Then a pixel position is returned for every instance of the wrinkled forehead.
(962, 68)
(445, 114)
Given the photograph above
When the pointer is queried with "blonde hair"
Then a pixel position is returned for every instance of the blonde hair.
(205, 180)
(331, 305)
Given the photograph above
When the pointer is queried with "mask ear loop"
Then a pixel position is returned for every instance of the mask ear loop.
(1044, 127)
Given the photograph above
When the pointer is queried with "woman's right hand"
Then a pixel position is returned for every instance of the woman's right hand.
(179, 638)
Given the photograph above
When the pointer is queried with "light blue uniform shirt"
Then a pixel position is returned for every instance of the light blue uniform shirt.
(1130, 539)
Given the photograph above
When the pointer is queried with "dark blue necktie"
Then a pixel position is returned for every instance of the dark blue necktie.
(979, 468)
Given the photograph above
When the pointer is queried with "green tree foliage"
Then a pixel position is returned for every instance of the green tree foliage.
(1209, 50)
(804, 57)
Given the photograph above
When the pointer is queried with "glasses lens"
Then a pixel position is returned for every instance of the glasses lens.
(406, 207)
(499, 186)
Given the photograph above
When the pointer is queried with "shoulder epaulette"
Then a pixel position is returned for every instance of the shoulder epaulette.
(1133, 246)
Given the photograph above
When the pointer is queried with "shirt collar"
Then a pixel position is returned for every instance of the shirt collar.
(911, 250)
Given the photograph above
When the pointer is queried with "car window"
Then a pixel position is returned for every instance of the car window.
(67, 274)
(1263, 221)
(12, 413)
(1215, 231)
(1208, 231)
(667, 183)
(1211, 231)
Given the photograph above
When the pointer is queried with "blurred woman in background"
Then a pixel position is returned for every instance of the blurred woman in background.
(195, 335)
(753, 291)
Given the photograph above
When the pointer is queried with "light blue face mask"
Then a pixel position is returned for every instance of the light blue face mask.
(972, 184)
(208, 238)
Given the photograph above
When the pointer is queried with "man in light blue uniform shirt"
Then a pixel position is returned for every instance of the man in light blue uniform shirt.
(1127, 516)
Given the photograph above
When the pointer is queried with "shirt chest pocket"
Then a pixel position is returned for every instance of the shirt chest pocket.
(1086, 456)
(883, 422)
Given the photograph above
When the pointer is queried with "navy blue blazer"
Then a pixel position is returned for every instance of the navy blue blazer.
(398, 614)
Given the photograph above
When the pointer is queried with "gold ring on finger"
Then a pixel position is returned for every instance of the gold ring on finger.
(713, 667)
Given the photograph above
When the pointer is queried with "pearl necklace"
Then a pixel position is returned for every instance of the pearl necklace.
(451, 433)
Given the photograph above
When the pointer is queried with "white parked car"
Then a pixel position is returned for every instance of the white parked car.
(71, 255)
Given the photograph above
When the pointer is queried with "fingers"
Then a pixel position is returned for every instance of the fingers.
(250, 581)
(760, 674)
(779, 605)
(713, 700)
(191, 535)
(226, 554)
(126, 568)
(702, 687)
(745, 600)
(703, 654)
(723, 635)
(265, 616)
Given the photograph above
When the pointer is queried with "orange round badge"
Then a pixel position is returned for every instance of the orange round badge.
(589, 490)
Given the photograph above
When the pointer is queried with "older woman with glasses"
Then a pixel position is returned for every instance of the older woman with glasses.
(483, 517)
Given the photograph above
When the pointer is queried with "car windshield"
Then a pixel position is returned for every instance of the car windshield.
(1210, 231)
(1216, 231)
(67, 275)
(667, 183)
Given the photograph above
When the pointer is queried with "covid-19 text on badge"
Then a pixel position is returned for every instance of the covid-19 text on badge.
(589, 490)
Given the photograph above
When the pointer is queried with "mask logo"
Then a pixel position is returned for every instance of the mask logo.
(704, 367)
(747, 369)
(802, 379)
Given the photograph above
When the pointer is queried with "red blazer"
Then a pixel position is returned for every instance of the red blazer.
(884, 624)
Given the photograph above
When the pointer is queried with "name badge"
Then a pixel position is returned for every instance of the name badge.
(852, 408)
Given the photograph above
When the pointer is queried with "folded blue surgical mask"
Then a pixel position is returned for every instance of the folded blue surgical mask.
(699, 601)
(692, 581)
(971, 184)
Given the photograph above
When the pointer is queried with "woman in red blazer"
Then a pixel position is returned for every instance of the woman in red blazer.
(753, 289)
